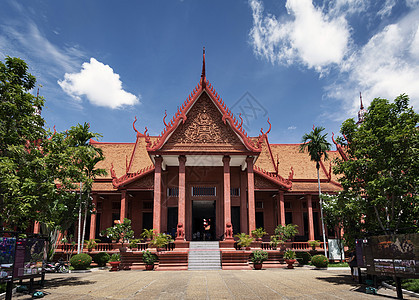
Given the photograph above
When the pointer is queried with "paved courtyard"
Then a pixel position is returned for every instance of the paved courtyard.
(300, 283)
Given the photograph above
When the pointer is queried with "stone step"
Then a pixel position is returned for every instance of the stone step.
(204, 256)
(204, 264)
(210, 260)
(205, 268)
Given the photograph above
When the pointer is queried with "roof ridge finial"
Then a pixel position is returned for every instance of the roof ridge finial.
(360, 98)
(203, 76)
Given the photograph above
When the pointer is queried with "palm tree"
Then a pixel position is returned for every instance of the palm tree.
(317, 146)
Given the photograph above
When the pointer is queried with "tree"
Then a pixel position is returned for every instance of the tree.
(38, 168)
(84, 158)
(382, 170)
(23, 180)
(317, 146)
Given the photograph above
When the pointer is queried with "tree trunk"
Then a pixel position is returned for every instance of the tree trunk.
(79, 227)
(84, 223)
(321, 209)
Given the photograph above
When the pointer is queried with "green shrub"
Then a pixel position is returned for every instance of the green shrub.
(303, 257)
(320, 261)
(259, 256)
(149, 258)
(115, 257)
(101, 258)
(81, 261)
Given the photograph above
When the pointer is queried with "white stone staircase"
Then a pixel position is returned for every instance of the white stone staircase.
(204, 256)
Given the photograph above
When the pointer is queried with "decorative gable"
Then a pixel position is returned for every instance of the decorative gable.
(143, 183)
(204, 129)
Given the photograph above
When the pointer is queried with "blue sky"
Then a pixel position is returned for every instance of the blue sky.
(298, 62)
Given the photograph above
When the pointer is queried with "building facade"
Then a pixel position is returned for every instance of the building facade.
(204, 177)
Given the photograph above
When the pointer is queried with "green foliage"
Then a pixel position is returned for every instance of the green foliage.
(160, 240)
(90, 244)
(315, 243)
(147, 234)
(276, 240)
(303, 257)
(120, 232)
(259, 233)
(115, 257)
(338, 265)
(289, 254)
(259, 256)
(101, 258)
(133, 243)
(286, 232)
(244, 240)
(316, 144)
(411, 285)
(33, 160)
(81, 261)
(320, 261)
(149, 258)
(380, 179)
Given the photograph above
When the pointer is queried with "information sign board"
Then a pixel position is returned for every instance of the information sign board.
(7, 257)
(395, 255)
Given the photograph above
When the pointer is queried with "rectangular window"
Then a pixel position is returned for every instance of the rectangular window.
(304, 204)
(202, 191)
(259, 204)
(287, 204)
(173, 192)
(314, 204)
(235, 192)
(288, 217)
(116, 205)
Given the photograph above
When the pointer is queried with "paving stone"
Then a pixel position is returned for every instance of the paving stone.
(300, 283)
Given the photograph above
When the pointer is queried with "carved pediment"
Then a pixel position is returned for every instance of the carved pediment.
(262, 183)
(204, 130)
(146, 182)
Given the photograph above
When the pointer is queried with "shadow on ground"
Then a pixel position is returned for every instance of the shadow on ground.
(346, 279)
(66, 281)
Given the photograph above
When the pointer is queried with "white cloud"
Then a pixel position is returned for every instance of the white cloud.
(386, 66)
(412, 3)
(385, 11)
(308, 36)
(292, 127)
(100, 85)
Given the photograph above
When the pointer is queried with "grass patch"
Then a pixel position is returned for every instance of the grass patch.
(338, 265)
(408, 284)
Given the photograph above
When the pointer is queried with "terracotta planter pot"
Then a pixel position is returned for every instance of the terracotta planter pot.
(114, 265)
(290, 263)
(257, 266)
(149, 267)
(247, 248)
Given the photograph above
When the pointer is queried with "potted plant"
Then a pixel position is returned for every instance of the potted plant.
(314, 244)
(147, 234)
(289, 257)
(90, 244)
(114, 261)
(258, 257)
(133, 243)
(120, 232)
(275, 241)
(286, 233)
(149, 259)
(244, 240)
(160, 240)
(258, 233)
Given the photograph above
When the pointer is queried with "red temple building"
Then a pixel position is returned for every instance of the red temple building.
(204, 175)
